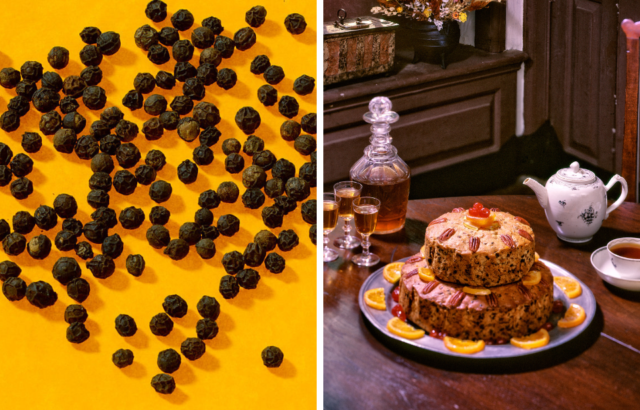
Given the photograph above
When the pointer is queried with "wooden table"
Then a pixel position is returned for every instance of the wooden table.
(598, 369)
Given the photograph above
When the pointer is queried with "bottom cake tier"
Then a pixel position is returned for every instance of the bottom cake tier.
(511, 310)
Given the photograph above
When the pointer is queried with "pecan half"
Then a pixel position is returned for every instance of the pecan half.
(446, 234)
(415, 258)
(437, 221)
(492, 300)
(429, 287)
(457, 210)
(495, 209)
(524, 291)
(474, 244)
(456, 299)
(522, 220)
(525, 235)
(410, 274)
(508, 241)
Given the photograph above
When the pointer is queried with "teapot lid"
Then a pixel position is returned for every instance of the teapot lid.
(576, 175)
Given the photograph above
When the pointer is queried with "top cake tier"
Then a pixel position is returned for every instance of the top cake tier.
(460, 252)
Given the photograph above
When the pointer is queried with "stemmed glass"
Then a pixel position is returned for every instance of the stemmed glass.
(347, 191)
(330, 206)
(365, 210)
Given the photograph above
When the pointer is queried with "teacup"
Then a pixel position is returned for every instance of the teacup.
(625, 257)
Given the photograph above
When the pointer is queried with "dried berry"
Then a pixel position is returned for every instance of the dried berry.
(95, 231)
(283, 169)
(20, 105)
(169, 360)
(122, 358)
(72, 225)
(23, 222)
(272, 216)
(175, 306)
(264, 159)
(274, 187)
(155, 105)
(159, 215)
(206, 329)
(288, 106)
(274, 263)
(112, 246)
(74, 121)
(285, 204)
(126, 326)
(177, 249)
(9, 77)
(78, 289)
(248, 278)
(287, 240)
(274, 74)
(206, 114)
(4, 229)
(208, 307)
(254, 255)
(253, 198)
(155, 159)
(41, 295)
(228, 225)
(21, 165)
(161, 324)
(233, 262)
(214, 24)
(308, 123)
(5, 176)
(135, 265)
(182, 19)
(193, 348)
(305, 144)
(209, 199)
(204, 217)
(228, 192)
(234, 163)
(131, 217)
(94, 97)
(105, 215)
(75, 314)
(126, 130)
(90, 55)
(194, 88)
(244, 38)
(145, 37)
(225, 46)
(158, 54)
(304, 85)
(207, 74)
(266, 240)
(49, 123)
(68, 104)
(272, 356)
(267, 95)
(203, 37)
(45, 217)
(98, 198)
(169, 120)
(182, 51)
(21, 188)
(133, 100)
(152, 129)
(32, 71)
(64, 140)
(101, 162)
(227, 78)
(45, 100)
(229, 287)
(308, 173)
(202, 155)
(74, 86)
(168, 36)
(255, 16)
(8, 270)
(14, 289)
(92, 75)
(165, 80)
(65, 240)
(89, 35)
(209, 232)
(145, 175)
(158, 236)
(190, 233)
(209, 136)
(26, 89)
(163, 383)
(87, 147)
(298, 189)
(254, 177)
(109, 43)
(156, 11)
(230, 146)
(182, 104)
(127, 155)
(206, 248)
(144, 83)
(77, 333)
(187, 172)
(248, 120)
(52, 81)
(102, 266)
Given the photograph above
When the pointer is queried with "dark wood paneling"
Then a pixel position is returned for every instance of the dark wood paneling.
(491, 24)
(354, 8)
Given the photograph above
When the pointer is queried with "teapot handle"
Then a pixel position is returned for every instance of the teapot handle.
(623, 196)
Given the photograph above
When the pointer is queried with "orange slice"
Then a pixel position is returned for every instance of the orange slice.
(537, 256)
(532, 278)
(426, 274)
(533, 341)
(374, 298)
(476, 291)
(569, 286)
(468, 225)
(393, 271)
(423, 252)
(402, 329)
(463, 346)
(573, 317)
(480, 222)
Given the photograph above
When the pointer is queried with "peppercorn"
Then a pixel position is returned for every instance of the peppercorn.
(206, 329)
(209, 136)
(254, 255)
(272, 356)
(133, 100)
(90, 55)
(78, 289)
(23, 222)
(4, 229)
(206, 114)
(161, 324)
(32, 71)
(8, 270)
(308, 173)
(159, 215)
(182, 19)
(77, 333)
(207, 74)
(175, 306)
(288, 106)
(75, 314)
(84, 251)
(272, 216)
(209, 199)
(229, 287)
(203, 155)
(74, 86)
(95, 231)
(92, 75)
(101, 162)
(41, 295)
(255, 16)
(187, 171)
(202, 37)
(274, 74)
(266, 240)
(105, 215)
(234, 163)
(131, 217)
(214, 24)
(244, 38)
(156, 11)
(68, 104)
(64, 140)
(193, 348)
(45, 100)
(163, 383)
(49, 122)
(208, 307)
(72, 225)
(39, 247)
(122, 358)
(160, 191)
(145, 37)
(227, 78)
(158, 236)
(45, 217)
(228, 225)
(203, 217)
(190, 233)
(194, 88)
(206, 248)
(102, 266)
(248, 278)
(264, 159)
(165, 80)
(209, 232)
(228, 192)
(109, 43)
(21, 188)
(168, 120)
(26, 89)
(20, 105)
(112, 246)
(230, 146)
(9, 121)
(285, 204)
(135, 265)
(21, 165)
(126, 326)
(86, 147)
(233, 262)
(74, 121)
(89, 35)
(274, 187)
(287, 240)
(305, 144)
(283, 169)
(5, 175)
(9, 77)
(267, 95)
(65, 241)
(248, 120)
(145, 175)
(14, 289)
(127, 155)
(94, 97)
(298, 189)
(184, 70)
(169, 360)
(225, 46)
(144, 83)
(155, 159)
(168, 36)
(158, 54)
(155, 105)
(253, 198)
(304, 85)
(274, 263)
(177, 249)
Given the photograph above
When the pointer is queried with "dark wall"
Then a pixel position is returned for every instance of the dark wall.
(354, 8)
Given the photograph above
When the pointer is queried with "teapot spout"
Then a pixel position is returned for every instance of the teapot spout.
(541, 192)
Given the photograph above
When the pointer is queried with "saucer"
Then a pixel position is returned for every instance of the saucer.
(601, 261)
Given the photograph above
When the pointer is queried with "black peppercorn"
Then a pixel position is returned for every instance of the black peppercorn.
(145, 175)
(135, 265)
(208, 307)
(234, 163)
(165, 80)
(260, 64)
(182, 51)
(229, 287)
(168, 36)
(90, 55)
(287, 240)
(9, 121)
(253, 198)
(305, 144)
(169, 360)
(267, 95)
(45, 100)
(21, 165)
(9, 77)
(74, 121)
(26, 89)
(182, 104)
(206, 114)
(23, 222)
(14, 289)
(65, 241)
(32, 71)
(95, 231)
(274, 74)
(209, 136)
(214, 24)
(92, 75)
(230, 146)
(288, 106)
(105, 215)
(65, 206)
(144, 83)
(233, 262)
(155, 105)
(182, 19)
(187, 171)
(253, 145)
(225, 46)
(194, 88)
(156, 11)
(77, 333)
(274, 263)
(5, 175)
(161, 324)
(126, 326)
(169, 120)
(308, 123)
(86, 147)
(202, 155)
(159, 215)
(122, 358)
(266, 240)
(127, 155)
(68, 104)
(20, 105)
(41, 295)
(210, 232)
(160, 191)
(248, 278)
(285, 204)
(308, 173)
(255, 16)
(264, 159)
(298, 189)
(177, 249)
(254, 177)
(74, 86)
(64, 140)
(206, 248)
(158, 236)
(84, 251)
(202, 37)
(21, 188)
(272, 216)
(254, 255)
(272, 356)
(283, 169)
(155, 159)
(108, 43)
(52, 81)
(133, 100)
(163, 383)
(112, 246)
(158, 54)
(102, 266)
(207, 74)
(126, 130)
(109, 118)
(72, 225)
(210, 57)
(227, 78)
(4, 229)
(8, 270)
(244, 38)
(193, 348)
(101, 162)
(203, 217)
(304, 85)
(209, 199)
(75, 314)
(152, 129)
(228, 225)
(145, 37)
(190, 233)
(131, 217)
(206, 329)
(248, 120)
(39, 247)
(78, 289)
(31, 142)
(175, 306)
(89, 35)
(94, 97)
(45, 217)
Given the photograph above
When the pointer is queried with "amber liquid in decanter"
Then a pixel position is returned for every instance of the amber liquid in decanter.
(394, 199)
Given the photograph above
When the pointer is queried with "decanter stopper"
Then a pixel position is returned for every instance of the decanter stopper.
(380, 117)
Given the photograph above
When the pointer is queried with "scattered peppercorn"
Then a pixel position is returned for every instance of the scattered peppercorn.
(145, 37)
(266, 240)
(75, 314)
(274, 74)
(248, 278)
(77, 333)
(274, 187)
(84, 251)
(135, 265)
(158, 54)
(207, 74)
(203, 37)
(244, 38)
(234, 163)
(133, 100)
(298, 189)
(288, 106)
(131, 217)
(177, 249)
(14, 289)
(308, 173)
(158, 236)
(169, 360)
(264, 159)
(169, 120)
(155, 159)
(105, 215)
(41, 295)
(175, 306)
(209, 199)
(161, 324)
(144, 83)
(126, 326)
(21, 188)
(214, 24)
(272, 356)
(9, 269)
(233, 262)
(155, 105)
(267, 95)
(304, 85)
(227, 78)
(94, 97)
(9, 77)
(253, 255)
(122, 358)
(165, 80)
(145, 175)
(182, 51)
(102, 266)
(109, 43)
(285, 204)
(228, 225)
(159, 215)
(272, 216)
(202, 155)
(72, 225)
(283, 169)
(206, 329)
(152, 129)
(68, 104)
(21, 165)
(253, 198)
(95, 231)
(39, 247)
(78, 289)
(127, 155)
(182, 19)
(74, 86)
(206, 248)
(190, 233)
(163, 383)
(156, 11)
(229, 287)
(305, 144)
(32, 71)
(274, 263)
(204, 217)
(113, 246)
(187, 172)
(92, 75)
(65, 241)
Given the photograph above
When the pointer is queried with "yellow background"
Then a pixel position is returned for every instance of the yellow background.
(38, 367)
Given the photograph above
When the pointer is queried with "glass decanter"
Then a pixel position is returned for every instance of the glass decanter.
(382, 173)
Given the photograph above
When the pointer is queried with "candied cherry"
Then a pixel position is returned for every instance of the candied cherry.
(433, 333)
(548, 326)
(489, 342)
(399, 313)
(557, 307)
(478, 211)
(502, 341)
(395, 295)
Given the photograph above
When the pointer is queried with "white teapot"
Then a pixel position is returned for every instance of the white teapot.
(575, 202)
